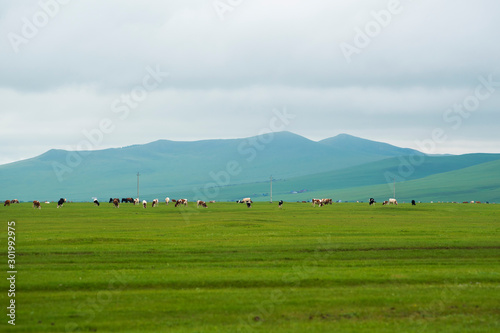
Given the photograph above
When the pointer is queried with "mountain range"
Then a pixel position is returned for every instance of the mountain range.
(343, 167)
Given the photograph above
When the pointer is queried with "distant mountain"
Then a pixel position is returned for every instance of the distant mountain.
(349, 142)
(219, 169)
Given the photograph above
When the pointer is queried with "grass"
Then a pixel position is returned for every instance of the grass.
(340, 268)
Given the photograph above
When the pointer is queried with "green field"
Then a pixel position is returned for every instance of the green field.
(340, 268)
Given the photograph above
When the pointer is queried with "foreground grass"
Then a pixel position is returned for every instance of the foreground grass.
(344, 268)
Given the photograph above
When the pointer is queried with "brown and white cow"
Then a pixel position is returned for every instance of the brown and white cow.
(36, 204)
(318, 202)
(154, 203)
(181, 202)
(6, 203)
(136, 201)
(391, 202)
(327, 201)
(201, 203)
(144, 203)
(116, 203)
(167, 200)
(15, 201)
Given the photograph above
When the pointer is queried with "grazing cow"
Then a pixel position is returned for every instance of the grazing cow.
(390, 202)
(372, 201)
(413, 203)
(201, 203)
(96, 203)
(136, 201)
(246, 200)
(61, 202)
(318, 202)
(181, 202)
(327, 202)
(6, 203)
(249, 204)
(116, 203)
(36, 204)
(280, 204)
(15, 201)
(144, 203)
(155, 203)
(167, 200)
(213, 201)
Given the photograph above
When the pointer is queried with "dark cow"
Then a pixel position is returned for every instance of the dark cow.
(111, 200)
(6, 203)
(372, 201)
(280, 204)
(249, 204)
(127, 200)
(96, 202)
(61, 202)
(413, 203)
(36, 204)
(116, 203)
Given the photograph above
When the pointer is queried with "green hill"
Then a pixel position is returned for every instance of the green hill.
(470, 174)
(224, 169)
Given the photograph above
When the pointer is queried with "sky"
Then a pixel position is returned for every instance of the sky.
(80, 75)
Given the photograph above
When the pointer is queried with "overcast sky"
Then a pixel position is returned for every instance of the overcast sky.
(93, 74)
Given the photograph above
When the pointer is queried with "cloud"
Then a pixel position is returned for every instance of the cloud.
(226, 76)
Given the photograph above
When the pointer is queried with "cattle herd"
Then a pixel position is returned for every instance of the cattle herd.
(200, 203)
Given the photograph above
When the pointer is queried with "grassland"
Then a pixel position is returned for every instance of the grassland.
(340, 268)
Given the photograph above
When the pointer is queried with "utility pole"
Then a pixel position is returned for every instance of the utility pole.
(138, 184)
(271, 189)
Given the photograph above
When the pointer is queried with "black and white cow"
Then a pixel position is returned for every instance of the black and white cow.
(61, 202)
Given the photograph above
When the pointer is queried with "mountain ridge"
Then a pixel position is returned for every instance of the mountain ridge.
(167, 166)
